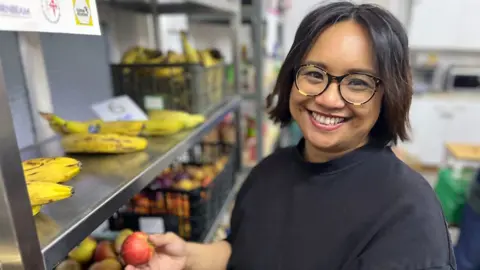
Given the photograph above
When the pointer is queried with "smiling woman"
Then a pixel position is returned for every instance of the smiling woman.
(339, 199)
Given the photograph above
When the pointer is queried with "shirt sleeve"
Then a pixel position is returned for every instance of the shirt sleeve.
(413, 235)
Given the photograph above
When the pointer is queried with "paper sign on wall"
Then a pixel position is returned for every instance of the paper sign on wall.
(54, 16)
(120, 108)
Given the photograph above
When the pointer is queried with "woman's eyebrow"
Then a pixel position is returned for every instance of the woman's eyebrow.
(352, 70)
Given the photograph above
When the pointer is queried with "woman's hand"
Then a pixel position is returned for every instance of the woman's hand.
(170, 253)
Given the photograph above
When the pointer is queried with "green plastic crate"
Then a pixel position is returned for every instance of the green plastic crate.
(452, 191)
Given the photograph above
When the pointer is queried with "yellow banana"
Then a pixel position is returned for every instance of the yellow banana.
(102, 143)
(55, 169)
(63, 127)
(188, 120)
(162, 128)
(169, 123)
(41, 193)
(36, 209)
(190, 53)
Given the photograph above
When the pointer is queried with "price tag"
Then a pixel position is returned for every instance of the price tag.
(151, 225)
(120, 108)
(153, 102)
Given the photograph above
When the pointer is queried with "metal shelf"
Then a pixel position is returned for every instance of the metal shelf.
(246, 11)
(185, 7)
(241, 176)
(106, 183)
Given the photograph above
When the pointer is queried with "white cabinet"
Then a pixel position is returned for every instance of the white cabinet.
(436, 121)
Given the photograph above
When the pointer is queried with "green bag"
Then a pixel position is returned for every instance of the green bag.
(452, 191)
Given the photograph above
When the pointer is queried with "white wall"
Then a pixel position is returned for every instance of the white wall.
(126, 29)
(217, 36)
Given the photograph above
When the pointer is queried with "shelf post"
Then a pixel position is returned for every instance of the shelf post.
(258, 58)
(19, 245)
(235, 24)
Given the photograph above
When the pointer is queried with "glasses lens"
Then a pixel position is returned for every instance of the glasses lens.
(357, 88)
(311, 80)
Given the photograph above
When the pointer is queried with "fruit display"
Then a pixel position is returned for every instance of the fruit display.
(161, 123)
(191, 80)
(95, 254)
(102, 143)
(43, 176)
(183, 177)
(185, 196)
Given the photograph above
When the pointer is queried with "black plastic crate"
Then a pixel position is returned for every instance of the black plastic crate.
(187, 87)
(191, 213)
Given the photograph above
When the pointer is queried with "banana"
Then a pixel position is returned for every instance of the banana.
(190, 53)
(55, 169)
(168, 123)
(41, 193)
(188, 120)
(162, 128)
(63, 127)
(36, 209)
(102, 143)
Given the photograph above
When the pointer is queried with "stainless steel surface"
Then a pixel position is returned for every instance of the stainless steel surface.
(19, 247)
(235, 24)
(107, 182)
(258, 56)
(155, 23)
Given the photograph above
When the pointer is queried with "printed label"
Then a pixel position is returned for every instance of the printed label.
(82, 11)
(51, 10)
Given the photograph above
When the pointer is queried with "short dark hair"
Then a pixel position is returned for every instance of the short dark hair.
(391, 57)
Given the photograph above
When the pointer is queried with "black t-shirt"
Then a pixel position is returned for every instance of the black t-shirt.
(364, 210)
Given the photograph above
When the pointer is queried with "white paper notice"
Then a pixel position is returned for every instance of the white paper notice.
(151, 225)
(120, 108)
(55, 16)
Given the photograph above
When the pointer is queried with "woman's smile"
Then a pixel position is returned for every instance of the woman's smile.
(326, 122)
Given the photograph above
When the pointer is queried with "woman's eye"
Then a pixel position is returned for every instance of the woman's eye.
(358, 83)
(314, 74)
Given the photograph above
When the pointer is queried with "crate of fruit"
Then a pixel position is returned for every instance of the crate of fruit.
(171, 81)
(185, 198)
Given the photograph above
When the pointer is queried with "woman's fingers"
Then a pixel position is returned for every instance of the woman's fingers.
(168, 243)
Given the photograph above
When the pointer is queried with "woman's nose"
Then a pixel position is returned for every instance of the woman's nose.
(331, 98)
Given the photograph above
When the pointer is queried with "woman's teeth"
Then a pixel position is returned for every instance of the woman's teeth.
(324, 120)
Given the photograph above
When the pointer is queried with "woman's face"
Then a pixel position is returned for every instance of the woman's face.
(328, 122)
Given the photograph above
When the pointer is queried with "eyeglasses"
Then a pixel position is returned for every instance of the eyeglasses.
(355, 88)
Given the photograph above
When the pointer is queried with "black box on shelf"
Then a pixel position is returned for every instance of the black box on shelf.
(178, 205)
(188, 87)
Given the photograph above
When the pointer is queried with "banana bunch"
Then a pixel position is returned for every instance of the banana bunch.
(102, 143)
(41, 193)
(53, 170)
(170, 58)
(163, 123)
(42, 176)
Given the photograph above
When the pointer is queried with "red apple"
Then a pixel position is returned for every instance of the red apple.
(136, 249)
(104, 251)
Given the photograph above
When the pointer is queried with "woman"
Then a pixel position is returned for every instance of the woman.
(340, 199)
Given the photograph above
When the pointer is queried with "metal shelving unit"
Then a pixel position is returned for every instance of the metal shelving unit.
(253, 14)
(106, 182)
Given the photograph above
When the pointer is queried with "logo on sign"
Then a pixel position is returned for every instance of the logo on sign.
(82, 11)
(51, 10)
(14, 11)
